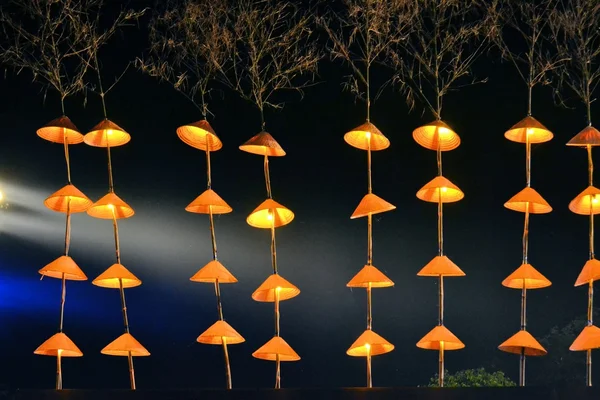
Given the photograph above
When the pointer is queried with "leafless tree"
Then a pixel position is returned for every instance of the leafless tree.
(187, 47)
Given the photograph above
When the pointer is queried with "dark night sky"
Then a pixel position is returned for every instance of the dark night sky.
(322, 179)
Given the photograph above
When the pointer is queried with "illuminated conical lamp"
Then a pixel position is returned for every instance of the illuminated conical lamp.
(441, 266)
(263, 144)
(436, 135)
(106, 134)
(200, 135)
(276, 349)
(275, 286)
(63, 266)
(371, 204)
(208, 202)
(126, 346)
(367, 137)
(212, 272)
(526, 277)
(523, 343)
(371, 277)
(369, 344)
(528, 130)
(588, 339)
(110, 206)
(58, 345)
(220, 332)
(586, 202)
(270, 214)
(115, 277)
(528, 200)
(590, 272)
(59, 129)
(589, 136)
(440, 188)
(68, 197)
(440, 338)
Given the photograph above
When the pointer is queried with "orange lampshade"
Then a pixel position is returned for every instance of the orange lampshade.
(440, 265)
(528, 276)
(435, 134)
(124, 345)
(371, 204)
(108, 205)
(523, 340)
(529, 130)
(275, 283)
(206, 201)
(63, 265)
(217, 332)
(200, 135)
(60, 128)
(115, 273)
(270, 213)
(588, 339)
(107, 134)
(369, 343)
(436, 336)
(370, 275)
(589, 136)
(590, 272)
(58, 342)
(586, 202)
(68, 197)
(367, 136)
(440, 187)
(263, 144)
(276, 346)
(211, 272)
(528, 199)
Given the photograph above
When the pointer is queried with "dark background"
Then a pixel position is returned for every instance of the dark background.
(322, 179)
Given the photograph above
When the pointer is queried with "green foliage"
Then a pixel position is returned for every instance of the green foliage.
(473, 378)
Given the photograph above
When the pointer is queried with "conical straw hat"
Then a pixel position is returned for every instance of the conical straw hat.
(527, 275)
(589, 136)
(270, 213)
(211, 272)
(58, 342)
(203, 203)
(59, 128)
(529, 130)
(59, 200)
(440, 186)
(590, 272)
(266, 291)
(435, 134)
(263, 144)
(109, 204)
(440, 265)
(367, 136)
(371, 204)
(217, 332)
(124, 345)
(370, 275)
(586, 202)
(110, 278)
(106, 134)
(439, 334)
(200, 135)
(588, 339)
(523, 340)
(63, 265)
(276, 346)
(369, 343)
(528, 197)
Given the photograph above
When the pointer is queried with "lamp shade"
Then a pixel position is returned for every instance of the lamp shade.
(68, 197)
(63, 265)
(110, 205)
(370, 276)
(115, 276)
(369, 343)
(367, 136)
(529, 130)
(526, 277)
(200, 135)
(263, 144)
(58, 342)
(59, 129)
(528, 199)
(107, 134)
(275, 283)
(371, 204)
(589, 136)
(436, 134)
(270, 214)
(588, 339)
(586, 202)
(523, 340)
(217, 332)
(274, 347)
(211, 272)
(124, 345)
(590, 272)
(440, 266)
(436, 336)
(207, 201)
(440, 187)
